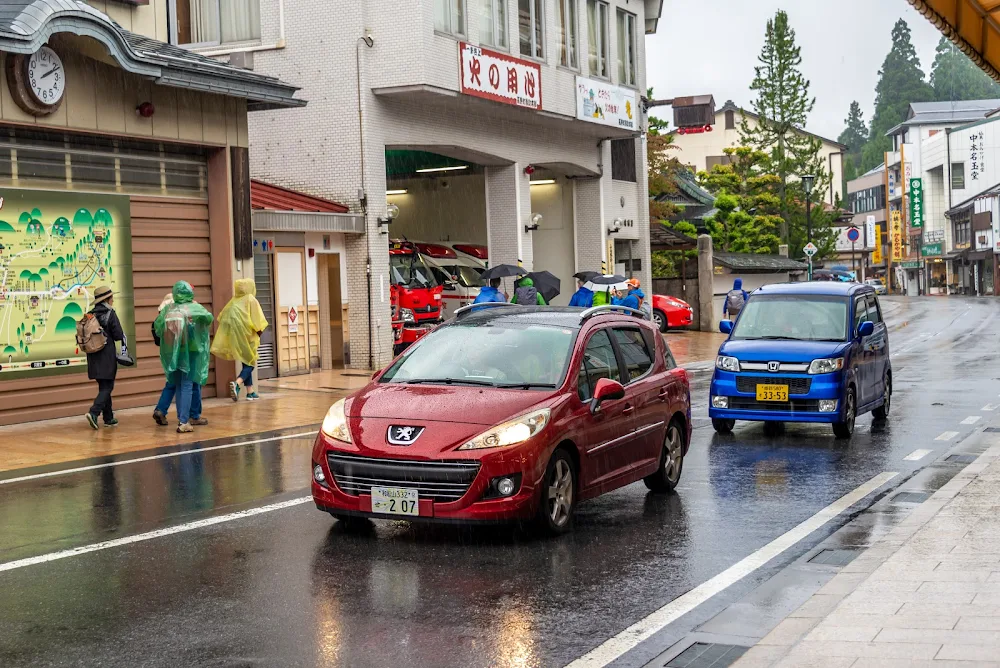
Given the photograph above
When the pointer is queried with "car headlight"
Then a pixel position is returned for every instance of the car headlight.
(512, 432)
(407, 315)
(826, 365)
(727, 363)
(335, 423)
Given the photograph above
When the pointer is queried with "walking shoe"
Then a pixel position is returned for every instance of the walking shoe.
(92, 420)
(184, 428)
(160, 418)
(113, 422)
(253, 396)
(201, 422)
(234, 390)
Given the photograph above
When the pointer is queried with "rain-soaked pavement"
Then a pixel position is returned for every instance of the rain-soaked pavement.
(291, 588)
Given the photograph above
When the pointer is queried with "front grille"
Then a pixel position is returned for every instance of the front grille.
(442, 482)
(430, 308)
(794, 406)
(795, 385)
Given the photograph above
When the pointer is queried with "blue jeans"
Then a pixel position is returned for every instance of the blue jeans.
(188, 399)
(246, 375)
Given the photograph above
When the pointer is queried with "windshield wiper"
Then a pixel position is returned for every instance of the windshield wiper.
(450, 381)
(778, 338)
(528, 386)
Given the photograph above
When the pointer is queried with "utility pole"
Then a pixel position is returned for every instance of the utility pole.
(807, 186)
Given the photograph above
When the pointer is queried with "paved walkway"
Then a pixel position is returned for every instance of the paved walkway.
(928, 594)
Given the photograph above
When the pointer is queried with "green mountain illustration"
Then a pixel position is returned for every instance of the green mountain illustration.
(6, 227)
(66, 324)
(103, 217)
(82, 217)
(73, 309)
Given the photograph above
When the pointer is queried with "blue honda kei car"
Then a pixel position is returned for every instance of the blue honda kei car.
(804, 352)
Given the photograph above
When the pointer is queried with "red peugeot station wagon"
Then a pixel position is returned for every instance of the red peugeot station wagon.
(508, 413)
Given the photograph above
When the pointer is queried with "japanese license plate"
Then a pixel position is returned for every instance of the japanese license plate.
(395, 501)
(772, 392)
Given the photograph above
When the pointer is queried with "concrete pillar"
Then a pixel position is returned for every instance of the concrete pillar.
(588, 212)
(642, 220)
(508, 210)
(706, 281)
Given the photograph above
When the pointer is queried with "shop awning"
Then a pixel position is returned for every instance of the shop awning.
(277, 209)
(26, 25)
(973, 25)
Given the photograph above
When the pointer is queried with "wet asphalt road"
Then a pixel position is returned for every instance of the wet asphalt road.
(292, 588)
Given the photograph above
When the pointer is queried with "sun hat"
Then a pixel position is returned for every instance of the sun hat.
(102, 294)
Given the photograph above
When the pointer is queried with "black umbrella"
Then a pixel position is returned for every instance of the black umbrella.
(607, 279)
(586, 275)
(546, 283)
(502, 271)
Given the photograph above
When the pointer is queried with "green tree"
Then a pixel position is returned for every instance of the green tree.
(656, 124)
(746, 196)
(782, 106)
(855, 134)
(901, 82)
(955, 77)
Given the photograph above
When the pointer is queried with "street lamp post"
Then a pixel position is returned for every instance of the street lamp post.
(807, 185)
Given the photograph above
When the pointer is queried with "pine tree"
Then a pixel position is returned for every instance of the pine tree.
(782, 106)
(955, 77)
(855, 134)
(746, 198)
(901, 82)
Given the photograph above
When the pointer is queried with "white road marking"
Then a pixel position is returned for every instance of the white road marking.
(917, 455)
(988, 407)
(94, 467)
(150, 535)
(947, 436)
(972, 419)
(615, 647)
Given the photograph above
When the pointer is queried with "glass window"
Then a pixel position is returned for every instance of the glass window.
(793, 318)
(626, 49)
(597, 38)
(197, 22)
(958, 175)
(860, 312)
(411, 271)
(493, 23)
(567, 33)
(599, 361)
(623, 160)
(635, 353)
(874, 312)
(530, 21)
(496, 353)
(467, 276)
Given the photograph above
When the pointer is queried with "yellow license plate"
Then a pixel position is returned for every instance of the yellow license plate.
(772, 393)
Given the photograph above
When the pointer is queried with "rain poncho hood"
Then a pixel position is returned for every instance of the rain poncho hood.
(738, 284)
(489, 294)
(632, 300)
(527, 293)
(183, 328)
(582, 298)
(237, 338)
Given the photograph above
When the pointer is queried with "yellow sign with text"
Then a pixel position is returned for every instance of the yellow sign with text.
(877, 251)
(897, 236)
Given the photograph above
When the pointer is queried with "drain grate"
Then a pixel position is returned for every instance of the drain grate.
(961, 459)
(911, 497)
(992, 429)
(838, 557)
(707, 655)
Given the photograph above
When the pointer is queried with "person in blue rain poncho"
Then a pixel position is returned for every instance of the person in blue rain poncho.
(490, 293)
(582, 298)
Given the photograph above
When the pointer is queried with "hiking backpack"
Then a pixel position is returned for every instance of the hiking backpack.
(735, 301)
(90, 334)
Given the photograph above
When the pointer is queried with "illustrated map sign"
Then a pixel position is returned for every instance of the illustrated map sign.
(56, 248)
(810, 249)
(500, 77)
(916, 203)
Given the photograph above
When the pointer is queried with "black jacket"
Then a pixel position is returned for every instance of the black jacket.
(103, 365)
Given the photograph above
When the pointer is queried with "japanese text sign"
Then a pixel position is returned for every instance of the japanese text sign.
(500, 77)
(916, 203)
(977, 155)
(877, 249)
(897, 236)
(606, 104)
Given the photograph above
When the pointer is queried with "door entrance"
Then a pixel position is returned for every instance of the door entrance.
(336, 309)
(265, 295)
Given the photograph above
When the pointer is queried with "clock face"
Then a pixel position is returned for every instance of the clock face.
(46, 78)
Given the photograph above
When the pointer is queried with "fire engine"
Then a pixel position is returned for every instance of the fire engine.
(414, 295)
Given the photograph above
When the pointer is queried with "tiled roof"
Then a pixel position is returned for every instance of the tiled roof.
(267, 196)
(946, 113)
(758, 263)
(662, 237)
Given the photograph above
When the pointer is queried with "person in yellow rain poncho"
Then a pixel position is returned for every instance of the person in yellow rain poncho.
(241, 323)
(183, 329)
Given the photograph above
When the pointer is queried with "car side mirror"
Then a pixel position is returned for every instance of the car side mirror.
(866, 328)
(450, 285)
(726, 326)
(606, 390)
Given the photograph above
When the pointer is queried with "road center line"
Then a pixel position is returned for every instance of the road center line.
(972, 419)
(94, 467)
(917, 455)
(138, 538)
(988, 407)
(628, 639)
(946, 436)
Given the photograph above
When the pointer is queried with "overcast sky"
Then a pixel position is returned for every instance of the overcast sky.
(712, 47)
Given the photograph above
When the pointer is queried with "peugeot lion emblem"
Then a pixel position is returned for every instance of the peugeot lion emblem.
(773, 366)
(404, 435)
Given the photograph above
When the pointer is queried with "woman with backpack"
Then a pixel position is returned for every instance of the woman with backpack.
(735, 299)
(96, 334)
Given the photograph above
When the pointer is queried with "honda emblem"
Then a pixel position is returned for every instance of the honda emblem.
(773, 367)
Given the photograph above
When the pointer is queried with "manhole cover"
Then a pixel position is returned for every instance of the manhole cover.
(707, 655)
(838, 557)
(961, 459)
(911, 497)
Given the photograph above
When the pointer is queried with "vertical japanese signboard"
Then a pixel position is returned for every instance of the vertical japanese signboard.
(870, 228)
(916, 202)
(877, 250)
(977, 155)
(499, 77)
(897, 236)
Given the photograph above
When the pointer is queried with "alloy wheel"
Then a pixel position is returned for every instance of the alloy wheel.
(659, 320)
(674, 459)
(561, 493)
(849, 412)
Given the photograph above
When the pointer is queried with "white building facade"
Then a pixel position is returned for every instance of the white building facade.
(451, 109)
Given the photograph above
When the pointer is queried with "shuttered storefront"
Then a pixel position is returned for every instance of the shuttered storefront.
(266, 367)
(170, 242)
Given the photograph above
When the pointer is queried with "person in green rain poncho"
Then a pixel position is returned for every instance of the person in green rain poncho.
(183, 328)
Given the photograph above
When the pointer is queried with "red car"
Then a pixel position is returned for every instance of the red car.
(671, 312)
(508, 413)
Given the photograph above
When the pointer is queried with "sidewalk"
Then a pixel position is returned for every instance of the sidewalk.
(928, 594)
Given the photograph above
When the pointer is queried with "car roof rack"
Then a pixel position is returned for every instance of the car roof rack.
(608, 308)
(470, 307)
